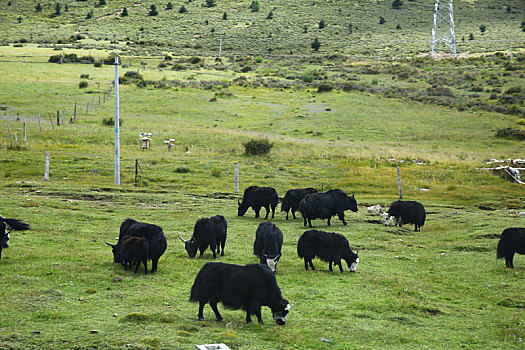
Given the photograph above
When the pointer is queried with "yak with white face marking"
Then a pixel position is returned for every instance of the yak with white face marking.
(406, 212)
(325, 205)
(14, 225)
(268, 244)
(257, 198)
(239, 287)
(328, 246)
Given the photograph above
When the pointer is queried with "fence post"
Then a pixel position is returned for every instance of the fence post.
(46, 172)
(236, 177)
(99, 100)
(24, 131)
(58, 118)
(322, 186)
(63, 114)
(92, 102)
(87, 108)
(51, 121)
(39, 123)
(399, 183)
(10, 138)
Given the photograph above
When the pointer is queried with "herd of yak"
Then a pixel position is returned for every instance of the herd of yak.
(254, 285)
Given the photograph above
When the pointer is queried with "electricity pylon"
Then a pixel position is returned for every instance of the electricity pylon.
(443, 31)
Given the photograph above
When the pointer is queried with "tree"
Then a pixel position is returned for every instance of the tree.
(471, 36)
(396, 4)
(255, 6)
(102, 3)
(305, 29)
(153, 10)
(270, 15)
(124, 12)
(482, 29)
(169, 6)
(322, 24)
(66, 7)
(316, 44)
(211, 3)
(398, 26)
(38, 7)
(89, 14)
(183, 9)
(58, 9)
(19, 19)
(224, 16)
(509, 10)
(381, 20)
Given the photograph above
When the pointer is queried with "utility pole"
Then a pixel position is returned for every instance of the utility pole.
(117, 131)
(443, 30)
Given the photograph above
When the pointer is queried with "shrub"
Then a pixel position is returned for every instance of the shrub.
(210, 3)
(153, 10)
(514, 90)
(257, 147)
(124, 12)
(110, 121)
(182, 170)
(322, 24)
(396, 4)
(316, 44)
(98, 64)
(381, 20)
(169, 6)
(84, 76)
(324, 88)
(183, 9)
(510, 133)
(195, 60)
(83, 84)
(255, 6)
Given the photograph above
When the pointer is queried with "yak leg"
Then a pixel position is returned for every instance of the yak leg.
(138, 265)
(305, 264)
(222, 246)
(330, 266)
(258, 314)
(213, 305)
(310, 223)
(340, 266)
(154, 265)
(304, 219)
(311, 264)
(287, 214)
(329, 221)
(342, 218)
(293, 214)
(201, 308)
(509, 260)
(267, 207)
(213, 247)
(273, 211)
(256, 210)
(145, 261)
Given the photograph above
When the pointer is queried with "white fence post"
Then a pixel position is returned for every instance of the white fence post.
(236, 177)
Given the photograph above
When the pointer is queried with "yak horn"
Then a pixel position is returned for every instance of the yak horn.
(111, 245)
(181, 239)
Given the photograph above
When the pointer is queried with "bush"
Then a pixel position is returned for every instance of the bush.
(110, 121)
(510, 133)
(182, 170)
(257, 147)
(195, 60)
(84, 76)
(83, 84)
(324, 88)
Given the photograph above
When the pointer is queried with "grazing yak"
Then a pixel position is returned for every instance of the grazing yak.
(156, 240)
(134, 250)
(268, 244)
(325, 205)
(239, 287)
(257, 198)
(406, 212)
(14, 225)
(512, 240)
(208, 232)
(328, 246)
(293, 197)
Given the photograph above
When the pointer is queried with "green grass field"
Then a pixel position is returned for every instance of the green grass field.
(441, 287)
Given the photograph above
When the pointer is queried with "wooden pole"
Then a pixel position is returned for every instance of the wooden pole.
(87, 108)
(10, 138)
(75, 111)
(99, 100)
(92, 102)
(136, 170)
(25, 132)
(236, 176)
(399, 183)
(58, 118)
(51, 121)
(39, 123)
(104, 98)
(46, 173)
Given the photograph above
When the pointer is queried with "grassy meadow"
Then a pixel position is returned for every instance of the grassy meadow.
(441, 287)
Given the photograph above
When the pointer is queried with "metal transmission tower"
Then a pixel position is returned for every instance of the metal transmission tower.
(443, 30)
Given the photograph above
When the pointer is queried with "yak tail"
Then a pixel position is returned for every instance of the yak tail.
(500, 253)
(285, 205)
(16, 224)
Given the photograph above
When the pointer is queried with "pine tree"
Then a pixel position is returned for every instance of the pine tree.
(102, 2)
(58, 9)
(381, 20)
(89, 14)
(270, 15)
(211, 3)
(153, 10)
(38, 8)
(183, 9)
(124, 12)
(396, 4)
(255, 6)
(224, 16)
(169, 6)
(322, 24)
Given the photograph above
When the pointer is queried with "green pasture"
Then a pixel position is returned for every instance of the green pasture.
(438, 288)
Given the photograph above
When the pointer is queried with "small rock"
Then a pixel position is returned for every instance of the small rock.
(115, 315)
(117, 279)
(80, 299)
(108, 288)
(94, 331)
(35, 332)
(325, 340)
(521, 214)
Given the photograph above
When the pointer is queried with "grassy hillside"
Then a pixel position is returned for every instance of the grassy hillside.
(441, 287)
(351, 27)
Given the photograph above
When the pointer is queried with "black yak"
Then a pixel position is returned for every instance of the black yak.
(257, 198)
(14, 225)
(134, 250)
(239, 287)
(325, 205)
(208, 232)
(328, 246)
(293, 197)
(406, 212)
(512, 240)
(156, 240)
(268, 244)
